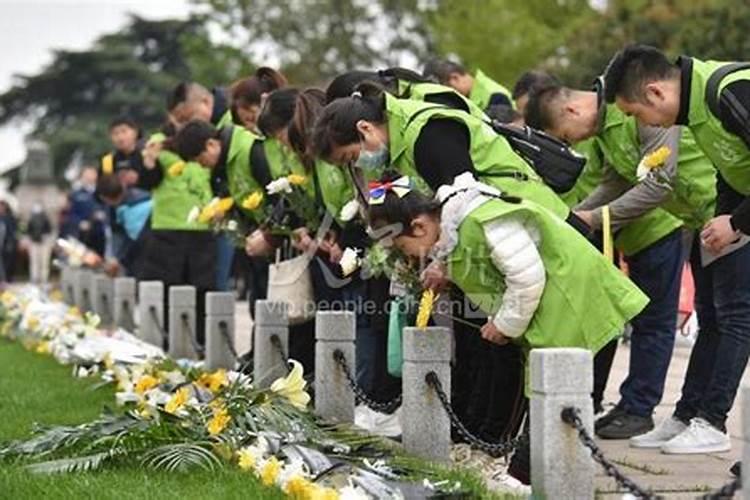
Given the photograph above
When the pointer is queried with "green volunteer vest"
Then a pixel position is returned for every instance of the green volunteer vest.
(335, 188)
(590, 176)
(586, 300)
(226, 119)
(693, 197)
(490, 152)
(421, 91)
(619, 144)
(726, 150)
(483, 89)
(240, 180)
(175, 196)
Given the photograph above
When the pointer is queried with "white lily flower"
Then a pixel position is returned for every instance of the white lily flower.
(281, 184)
(350, 261)
(642, 171)
(232, 225)
(349, 211)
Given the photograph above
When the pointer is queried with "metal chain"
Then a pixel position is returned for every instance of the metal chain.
(572, 417)
(105, 299)
(197, 348)
(388, 407)
(492, 449)
(276, 343)
(726, 492)
(224, 329)
(129, 321)
(155, 319)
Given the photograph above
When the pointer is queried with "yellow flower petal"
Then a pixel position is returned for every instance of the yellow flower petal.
(218, 422)
(246, 459)
(145, 383)
(215, 381)
(270, 471)
(252, 201)
(425, 308)
(177, 401)
(176, 169)
(657, 158)
(296, 179)
(225, 204)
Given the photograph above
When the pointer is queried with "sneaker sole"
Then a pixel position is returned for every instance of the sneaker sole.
(648, 446)
(696, 451)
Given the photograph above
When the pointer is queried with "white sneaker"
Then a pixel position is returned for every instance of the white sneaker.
(699, 437)
(668, 428)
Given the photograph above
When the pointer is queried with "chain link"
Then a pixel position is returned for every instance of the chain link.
(198, 349)
(572, 417)
(726, 492)
(361, 395)
(492, 449)
(105, 299)
(276, 343)
(155, 319)
(224, 329)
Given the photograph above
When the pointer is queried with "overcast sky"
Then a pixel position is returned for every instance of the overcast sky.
(30, 29)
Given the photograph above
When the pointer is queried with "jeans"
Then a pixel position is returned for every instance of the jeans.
(224, 258)
(657, 270)
(719, 356)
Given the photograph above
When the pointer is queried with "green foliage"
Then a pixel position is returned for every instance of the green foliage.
(180, 457)
(75, 97)
(708, 29)
(316, 39)
(505, 37)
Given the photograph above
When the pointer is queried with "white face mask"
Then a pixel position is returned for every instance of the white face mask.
(370, 160)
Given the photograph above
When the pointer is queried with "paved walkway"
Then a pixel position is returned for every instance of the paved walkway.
(673, 476)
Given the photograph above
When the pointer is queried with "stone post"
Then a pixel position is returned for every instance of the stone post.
(123, 304)
(561, 467)
(334, 398)
(103, 298)
(271, 321)
(425, 426)
(182, 341)
(220, 351)
(151, 312)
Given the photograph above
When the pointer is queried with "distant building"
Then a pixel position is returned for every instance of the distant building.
(33, 182)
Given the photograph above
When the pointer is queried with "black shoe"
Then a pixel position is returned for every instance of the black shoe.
(625, 426)
(606, 419)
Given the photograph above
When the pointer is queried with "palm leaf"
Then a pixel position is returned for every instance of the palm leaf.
(181, 457)
(77, 464)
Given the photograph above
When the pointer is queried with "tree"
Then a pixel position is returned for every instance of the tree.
(72, 100)
(709, 29)
(311, 40)
(505, 37)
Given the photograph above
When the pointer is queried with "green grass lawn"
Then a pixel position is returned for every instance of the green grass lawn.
(35, 388)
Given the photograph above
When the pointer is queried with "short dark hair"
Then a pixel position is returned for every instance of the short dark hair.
(440, 70)
(124, 120)
(540, 112)
(109, 187)
(632, 68)
(503, 113)
(337, 123)
(177, 95)
(530, 80)
(345, 83)
(191, 140)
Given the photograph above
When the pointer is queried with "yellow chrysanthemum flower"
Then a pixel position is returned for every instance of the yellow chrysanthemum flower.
(177, 401)
(145, 383)
(253, 201)
(657, 158)
(42, 347)
(425, 308)
(176, 169)
(207, 214)
(74, 311)
(225, 204)
(218, 422)
(215, 381)
(299, 488)
(246, 459)
(292, 387)
(7, 298)
(270, 471)
(296, 179)
(32, 322)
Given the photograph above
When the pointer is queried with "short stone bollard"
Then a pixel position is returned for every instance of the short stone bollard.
(66, 284)
(151, 312)
(220, 352)
(335, 332)
(425, 425)
(83, 288)
(103, 292)
(271, 335)
(182, 341)
(561, 467)
(123, 304)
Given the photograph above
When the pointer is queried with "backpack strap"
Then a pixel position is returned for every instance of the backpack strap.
(712, 86)
(259, 167)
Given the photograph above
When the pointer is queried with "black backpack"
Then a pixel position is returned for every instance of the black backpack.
(738, 109)
(554, 161)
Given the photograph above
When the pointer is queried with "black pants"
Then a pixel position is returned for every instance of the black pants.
(182, 258)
